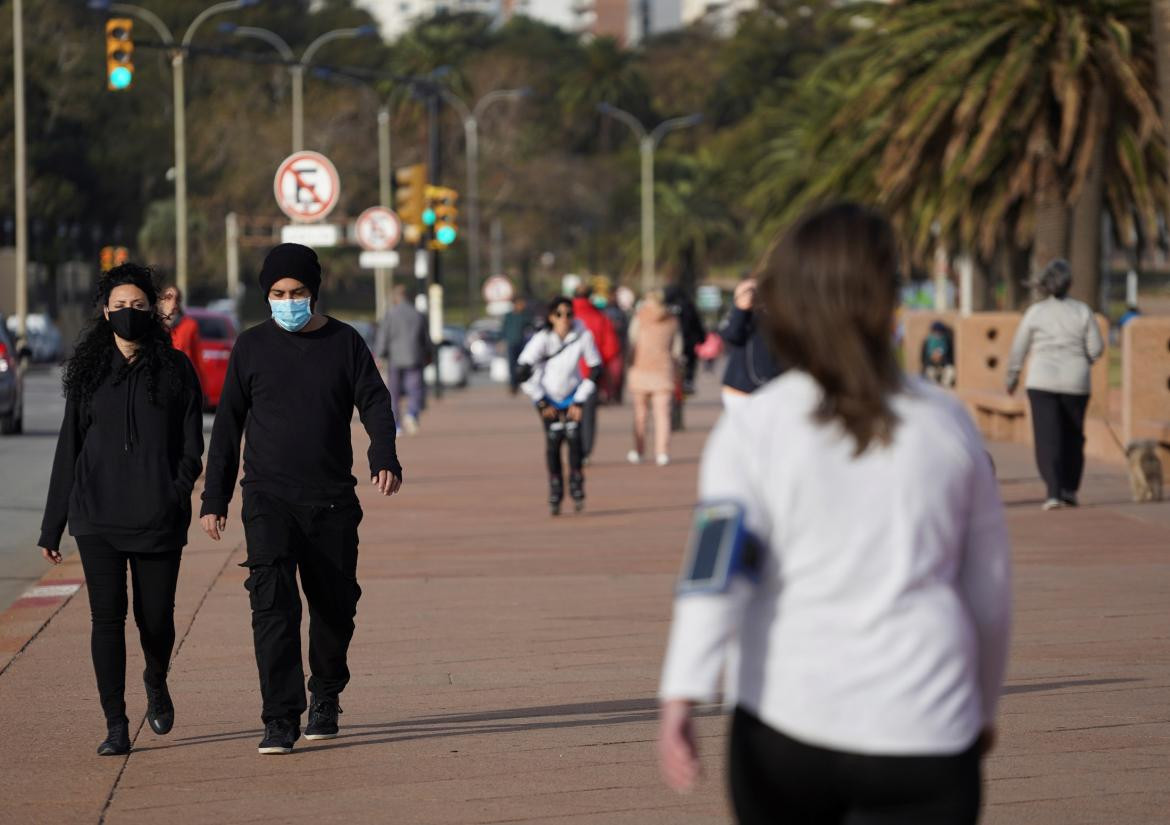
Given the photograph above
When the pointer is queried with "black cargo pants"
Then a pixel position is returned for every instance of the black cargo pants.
(322, 541)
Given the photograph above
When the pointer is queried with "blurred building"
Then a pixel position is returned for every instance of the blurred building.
(721, 15)
(624, 20)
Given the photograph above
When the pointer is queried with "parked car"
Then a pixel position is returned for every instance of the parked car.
(11, 385)
(454, 360)
(483, 340)
(42, 337)
(218, 334)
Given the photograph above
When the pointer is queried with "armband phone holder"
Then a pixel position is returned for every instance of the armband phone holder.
(719, 548)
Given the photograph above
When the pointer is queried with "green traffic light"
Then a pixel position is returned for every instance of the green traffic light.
(445, 235)
(428, 216)
(121, 78)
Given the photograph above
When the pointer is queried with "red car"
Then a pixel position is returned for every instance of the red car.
(217, 333)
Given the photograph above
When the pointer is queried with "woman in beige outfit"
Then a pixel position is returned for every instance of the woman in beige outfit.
(656, 347)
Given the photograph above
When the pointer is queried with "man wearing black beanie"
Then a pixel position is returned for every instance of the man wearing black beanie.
(291, 387)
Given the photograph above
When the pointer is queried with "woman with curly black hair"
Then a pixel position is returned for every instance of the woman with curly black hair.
(130, 450)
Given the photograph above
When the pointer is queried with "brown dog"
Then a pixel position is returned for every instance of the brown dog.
(1145, 469)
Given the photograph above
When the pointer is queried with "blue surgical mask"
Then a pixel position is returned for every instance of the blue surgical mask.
(292, 314)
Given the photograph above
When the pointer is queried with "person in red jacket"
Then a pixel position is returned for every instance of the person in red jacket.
(609, 347)
(184, 330)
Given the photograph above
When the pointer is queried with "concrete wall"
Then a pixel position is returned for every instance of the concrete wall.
(1145, 379)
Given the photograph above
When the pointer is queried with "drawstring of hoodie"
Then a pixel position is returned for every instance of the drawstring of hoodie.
(131, 428)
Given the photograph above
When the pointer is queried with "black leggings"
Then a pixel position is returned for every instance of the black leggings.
(557, 431)
(776, 779)
(1058, 428)
(155, 576)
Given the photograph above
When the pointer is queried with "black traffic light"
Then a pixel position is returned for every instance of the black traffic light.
(410, 185)
(119, 53)
(441, 215)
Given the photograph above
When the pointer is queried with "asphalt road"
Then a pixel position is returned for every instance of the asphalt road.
(25, 462)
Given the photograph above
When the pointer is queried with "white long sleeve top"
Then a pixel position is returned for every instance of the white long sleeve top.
(555, 363)
(880, 621)
(1062, 336)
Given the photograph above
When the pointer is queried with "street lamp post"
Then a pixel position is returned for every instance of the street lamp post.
(647, 143)
(20, 179)
(177, 59)
(296, 67)
(470, 118)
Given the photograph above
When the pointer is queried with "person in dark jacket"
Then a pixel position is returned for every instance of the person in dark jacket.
(750, 363)
(129, 452)
(291, 387)
(693, 332)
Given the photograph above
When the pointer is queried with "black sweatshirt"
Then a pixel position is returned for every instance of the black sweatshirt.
(292, 394)
(125, 466)
(750, 363)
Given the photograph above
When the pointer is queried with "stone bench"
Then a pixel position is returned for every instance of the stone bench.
(999, 416)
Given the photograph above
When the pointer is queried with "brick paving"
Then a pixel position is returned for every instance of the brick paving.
(505, 663)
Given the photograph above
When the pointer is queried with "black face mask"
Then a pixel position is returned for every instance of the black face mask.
(132, 324)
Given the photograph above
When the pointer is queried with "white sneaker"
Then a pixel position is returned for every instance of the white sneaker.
(662, 460)
(634, 457)
(410, 424)
(1052, 504)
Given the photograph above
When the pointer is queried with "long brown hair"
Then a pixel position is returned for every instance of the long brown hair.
(828, 291)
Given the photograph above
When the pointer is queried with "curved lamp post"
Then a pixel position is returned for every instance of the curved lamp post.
(177, 59)
(647, 143)
(470, 117)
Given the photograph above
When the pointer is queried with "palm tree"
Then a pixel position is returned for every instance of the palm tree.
(983, 122)
(605, 73)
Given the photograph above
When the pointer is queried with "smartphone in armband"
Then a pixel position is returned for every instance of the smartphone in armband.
(719, 548)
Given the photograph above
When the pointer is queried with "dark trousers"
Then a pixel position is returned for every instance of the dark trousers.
(1058, 430)
(154, 577)
(776, 779)
(558, 431)
(514, 351)
(322, 542)
(406, 381)
(589, 424)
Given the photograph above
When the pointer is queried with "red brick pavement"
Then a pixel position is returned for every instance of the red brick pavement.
(505, 663)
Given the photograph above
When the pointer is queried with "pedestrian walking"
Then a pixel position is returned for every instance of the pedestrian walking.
(606, 341)
(516, 329)
(750, 363)
(404, 342)
(129, 452)
(184, 329)
(291, 388)
(693, 332)
(554, 383)
(1062, 337)
(656, 352)
(861, 614)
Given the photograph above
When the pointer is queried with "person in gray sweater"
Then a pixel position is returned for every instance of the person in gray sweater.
(404, 343)
(1063, 339)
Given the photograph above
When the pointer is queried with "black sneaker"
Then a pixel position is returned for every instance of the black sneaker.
(322, 719)
(279, 736)
(160, 710)
(117, 739)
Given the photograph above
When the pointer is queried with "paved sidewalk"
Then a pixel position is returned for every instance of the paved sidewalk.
(505, 663)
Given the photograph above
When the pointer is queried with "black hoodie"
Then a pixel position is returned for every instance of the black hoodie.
(125, 466)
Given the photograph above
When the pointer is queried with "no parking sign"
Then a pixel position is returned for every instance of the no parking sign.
(306, 186)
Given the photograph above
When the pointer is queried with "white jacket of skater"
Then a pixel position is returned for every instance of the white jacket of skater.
(881, 618)
(555, 363)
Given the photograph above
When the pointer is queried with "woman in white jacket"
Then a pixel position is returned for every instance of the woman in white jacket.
(558, 390)
(869, 650)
